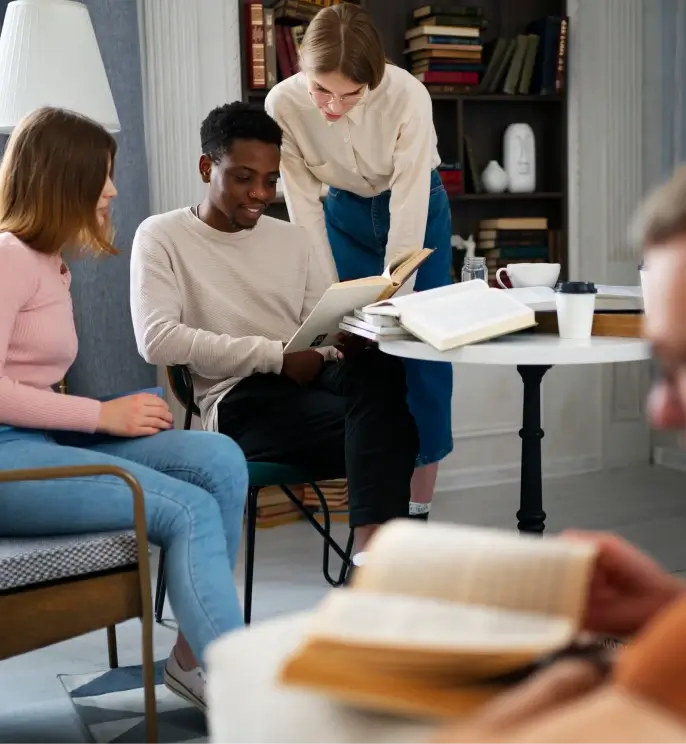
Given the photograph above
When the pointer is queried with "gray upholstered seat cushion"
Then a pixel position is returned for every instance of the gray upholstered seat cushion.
(27, 561)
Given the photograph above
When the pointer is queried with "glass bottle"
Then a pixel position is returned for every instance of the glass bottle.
(474, 267)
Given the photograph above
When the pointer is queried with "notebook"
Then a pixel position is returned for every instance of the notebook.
(457, 315)
(321, 327)
(440, 618)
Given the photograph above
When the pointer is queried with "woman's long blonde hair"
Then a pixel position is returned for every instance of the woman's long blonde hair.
(344, 39)
(52, 175)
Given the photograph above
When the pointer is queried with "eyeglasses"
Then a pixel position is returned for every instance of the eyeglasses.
(322, 98)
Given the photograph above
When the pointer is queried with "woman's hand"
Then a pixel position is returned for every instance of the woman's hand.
(627, 587)
(137, 415)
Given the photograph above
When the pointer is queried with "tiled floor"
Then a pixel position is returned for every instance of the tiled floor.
(647, 505)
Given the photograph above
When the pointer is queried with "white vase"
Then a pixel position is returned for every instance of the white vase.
(519, 158)
(494, 178)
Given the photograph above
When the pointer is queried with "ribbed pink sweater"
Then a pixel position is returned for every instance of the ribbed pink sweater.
(38, 342)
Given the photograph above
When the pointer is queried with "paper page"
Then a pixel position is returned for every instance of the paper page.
(542, 299)
(618, 292)
(537, 298)
(395, 305)
(456, 319)
(383, 621)
(478, 566)
(321, 326)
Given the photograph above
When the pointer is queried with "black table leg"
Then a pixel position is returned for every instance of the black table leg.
(531, 517)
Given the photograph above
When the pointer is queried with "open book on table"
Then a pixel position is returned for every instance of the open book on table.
(457, 315)
(320, 328)
(438, 614)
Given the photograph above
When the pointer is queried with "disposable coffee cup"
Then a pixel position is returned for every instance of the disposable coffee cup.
(575, 302)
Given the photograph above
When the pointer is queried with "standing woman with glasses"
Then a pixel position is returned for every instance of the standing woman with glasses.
(364, 128)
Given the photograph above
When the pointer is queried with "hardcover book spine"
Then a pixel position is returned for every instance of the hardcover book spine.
(257, 77)
(561, 57)
(292, 53)
(282, 51)
(270, 48)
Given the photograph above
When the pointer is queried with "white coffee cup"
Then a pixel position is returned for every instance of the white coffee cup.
(529, 274)
(575, 302)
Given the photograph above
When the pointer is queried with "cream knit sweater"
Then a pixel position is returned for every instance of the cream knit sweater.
(221, 303)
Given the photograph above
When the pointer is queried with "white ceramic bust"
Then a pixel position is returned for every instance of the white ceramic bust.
(519, 156)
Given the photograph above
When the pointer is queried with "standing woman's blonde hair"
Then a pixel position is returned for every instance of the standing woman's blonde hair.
(52, 175)
(344, 39)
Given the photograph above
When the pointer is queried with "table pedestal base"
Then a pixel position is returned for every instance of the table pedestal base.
(531, 517)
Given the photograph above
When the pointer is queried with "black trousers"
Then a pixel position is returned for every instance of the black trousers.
(353, 422)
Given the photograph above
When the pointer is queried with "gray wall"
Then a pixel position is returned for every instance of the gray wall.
(108, 361)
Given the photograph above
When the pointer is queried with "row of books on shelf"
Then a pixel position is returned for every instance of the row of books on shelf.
(444, 46)
(507, 240)
(275, 29)
(275, 508)
(446, 51)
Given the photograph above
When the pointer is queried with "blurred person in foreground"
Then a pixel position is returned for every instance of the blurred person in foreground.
(640, 695)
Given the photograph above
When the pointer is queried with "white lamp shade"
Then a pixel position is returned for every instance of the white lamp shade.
(49, 56)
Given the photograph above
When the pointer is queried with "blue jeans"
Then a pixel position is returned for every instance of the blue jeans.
(195, 484)
(358, 228)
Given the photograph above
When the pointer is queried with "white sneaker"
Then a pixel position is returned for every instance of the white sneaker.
(189, 685)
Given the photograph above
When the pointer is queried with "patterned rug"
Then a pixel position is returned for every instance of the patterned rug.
(110, 707)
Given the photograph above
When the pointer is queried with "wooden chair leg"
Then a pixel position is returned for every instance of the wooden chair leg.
(250, 530)
(112, 646)
(160, 589)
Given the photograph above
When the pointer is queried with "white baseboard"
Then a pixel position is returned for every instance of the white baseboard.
(492, 475)
(670, 457)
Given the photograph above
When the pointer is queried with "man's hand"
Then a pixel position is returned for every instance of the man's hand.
(302, 366)
(627, 587)
(349, 344)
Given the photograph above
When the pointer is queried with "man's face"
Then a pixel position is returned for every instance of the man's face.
(243, 182)
(665, 327)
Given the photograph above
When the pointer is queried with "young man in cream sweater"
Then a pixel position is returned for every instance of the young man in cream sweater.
(220, 287)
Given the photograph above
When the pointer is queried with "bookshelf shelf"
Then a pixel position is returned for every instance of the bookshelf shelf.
(506, 98)
(470, 125)
(495, 98)
(506, 196)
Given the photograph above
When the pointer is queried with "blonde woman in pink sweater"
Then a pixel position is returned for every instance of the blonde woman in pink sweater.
(55, 193)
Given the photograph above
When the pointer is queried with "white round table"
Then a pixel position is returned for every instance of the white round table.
(533, 354)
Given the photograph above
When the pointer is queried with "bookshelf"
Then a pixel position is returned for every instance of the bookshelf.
(483, 118)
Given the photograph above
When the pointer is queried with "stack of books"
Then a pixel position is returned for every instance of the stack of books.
(374, 327)
(444, 47)
(335, 493)
(533, 63)
(453, 316)
(275, 508)
(509, 240)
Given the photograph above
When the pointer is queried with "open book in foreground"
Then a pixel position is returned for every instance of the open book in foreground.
(458, 314)
(343, 298)
(439, 615)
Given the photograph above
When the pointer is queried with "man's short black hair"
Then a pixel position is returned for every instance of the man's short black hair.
(234, 121)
